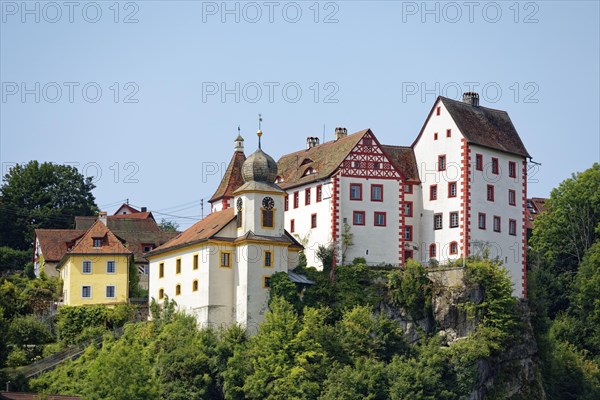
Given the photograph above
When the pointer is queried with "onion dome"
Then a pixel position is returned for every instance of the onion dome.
(259, 166)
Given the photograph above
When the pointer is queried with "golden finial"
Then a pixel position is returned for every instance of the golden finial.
(259, 133)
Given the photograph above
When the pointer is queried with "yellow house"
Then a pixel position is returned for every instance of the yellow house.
(95, 270)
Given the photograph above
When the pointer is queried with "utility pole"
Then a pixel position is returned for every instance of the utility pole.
(202, 207)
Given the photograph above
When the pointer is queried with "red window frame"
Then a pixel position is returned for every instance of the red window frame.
(479, 224)
(379, 213)
(432, 250)
(448, 132)
(368, 141)
(359, 185)
(374, 186)
(495, 166)
(455, 245)
(479, 162)
(450, 184)
(433, 194)
(512, 169)
(409, 187)
(442, 162)
(313, 221)
(307, 196)
(457, 219)
(490, 192)
(319, 193)
(512, 197)
(292, 225)
(499, 225)
(296, 199)
(512, 227)
(408, 233)
(410, 209)
(437, 110)
(286, 203)
(354, 213)
(435, 136)
(408, 254)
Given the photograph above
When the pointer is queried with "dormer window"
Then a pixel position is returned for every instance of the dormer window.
(310, 171)
(279, 179)
(148, 247)
(306, 161)
(97, 242)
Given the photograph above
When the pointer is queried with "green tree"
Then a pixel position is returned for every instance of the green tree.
(11, 259)
(28, 330)
(43, 195)
(282, 286)
(168, 226)
(366, 379)
(411, 288)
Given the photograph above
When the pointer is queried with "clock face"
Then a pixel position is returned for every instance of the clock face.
(239, 204)
(268, 203)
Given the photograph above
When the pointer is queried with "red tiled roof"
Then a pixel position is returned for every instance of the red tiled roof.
(404, 160)
(34, 396)
(232, 179)
(535, 206)
(137, 215)
(54, 242)
(199, 232)
(110, 243)
(121, 223)
(128, 207)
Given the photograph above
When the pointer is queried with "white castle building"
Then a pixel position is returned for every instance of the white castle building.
(460, 189)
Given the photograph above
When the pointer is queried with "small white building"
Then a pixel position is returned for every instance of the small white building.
(219, 269)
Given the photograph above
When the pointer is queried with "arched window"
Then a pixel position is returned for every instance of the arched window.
(177, 290)
(195, 285)
(432, 250)
(161, 294)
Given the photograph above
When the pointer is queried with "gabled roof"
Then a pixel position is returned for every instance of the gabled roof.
(404, 160)
(232, 179)
(199, 232)
(110, 243)
(482, 126)
(128, 223)
(55, 242)
(324, 158)
(128, 208)
(137, 215)
(135, 241)
(535, 206)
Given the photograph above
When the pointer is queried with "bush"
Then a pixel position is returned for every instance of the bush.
(17, 357)
(28, 330)
(72, 321)
(410, 288)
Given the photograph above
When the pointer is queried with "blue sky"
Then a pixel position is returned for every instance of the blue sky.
(150, 104)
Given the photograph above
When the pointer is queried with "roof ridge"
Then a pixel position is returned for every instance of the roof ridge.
(484, 107)
(363, 131)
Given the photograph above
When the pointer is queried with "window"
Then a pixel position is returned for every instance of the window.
(177, 290)
(296, 199)
(110, 292)
(86, 292)
(195, 261)
(161, 294)
(307, 196)
(448, 132)
(408, 208)
(161, 270)
(451, 189)
(319, 193)
(148, 247)
(437, 110)
(442, 163)
(438, 221)
(110, 267)
(87, 267)
(225, 259)
(432, 250)
(433, 192)
(496, 223)
(512, 227)
(355, 191)
(408, 254)
(453, 248)
(435, 136)
(408, 188)
(512, 169)
(267, 218)
(358, 217)
(408, 233)
(481, 220)
(355, 164)
(494, 166)
(286, 203)
(478, 162)
(292, 225)
(313, 221)
(239, 219)
(268, 259)
(178, 266)
(368, 141)
(379, 218)
(454, 219)
(376, 165)
(376, 192)
(266, 282)
(512, 197)
(490, 192)
(195, 285)
(97, 242)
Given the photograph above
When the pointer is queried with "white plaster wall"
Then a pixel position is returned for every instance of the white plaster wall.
(252, 203)
(415, 220)
(376, 244)
(321, 235)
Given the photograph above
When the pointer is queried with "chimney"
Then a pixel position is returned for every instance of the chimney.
(102, 217)
(144, 209)
(340, 133)
(471, 98)
(312, 142)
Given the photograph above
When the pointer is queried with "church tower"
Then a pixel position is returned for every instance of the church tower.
(232, 179)
(262, 242)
